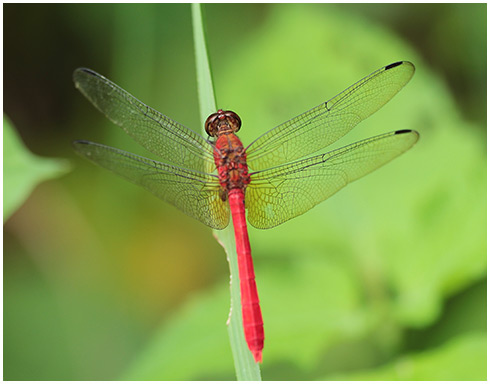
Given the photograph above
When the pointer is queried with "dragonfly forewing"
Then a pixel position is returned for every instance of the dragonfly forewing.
(321, 126)
(195, 193)
(171, 141)
(284, 192)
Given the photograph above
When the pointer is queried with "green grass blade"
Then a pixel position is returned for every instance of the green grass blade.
(205, 89)
(245, 366)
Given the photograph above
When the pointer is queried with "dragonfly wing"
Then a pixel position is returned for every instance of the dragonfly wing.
(196, 194)
(328, 122)
(281, 193)
(159, 134)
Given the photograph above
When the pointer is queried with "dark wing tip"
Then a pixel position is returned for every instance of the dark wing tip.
(79, 145)
(415, 134)
(403, 131)
(398, 63)
(393, 65)
(79, 73)
(81, 142)
(86, 70)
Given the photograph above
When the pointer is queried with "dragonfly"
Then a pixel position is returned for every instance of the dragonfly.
(269, 182)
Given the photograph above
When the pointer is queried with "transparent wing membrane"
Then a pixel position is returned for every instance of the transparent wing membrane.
(282, 187)
(284, 192)
(196, 194)
(319, 127)
(171, 141)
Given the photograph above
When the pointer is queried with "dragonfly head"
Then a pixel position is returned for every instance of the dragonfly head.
(222, 122)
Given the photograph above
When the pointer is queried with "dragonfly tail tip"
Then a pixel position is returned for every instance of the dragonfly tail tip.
(257, 356)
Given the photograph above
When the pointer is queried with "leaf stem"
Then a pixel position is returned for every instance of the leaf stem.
(245, 366)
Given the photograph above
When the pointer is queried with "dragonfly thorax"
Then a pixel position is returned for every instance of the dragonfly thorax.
(231, 162)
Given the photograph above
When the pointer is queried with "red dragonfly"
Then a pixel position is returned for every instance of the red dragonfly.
(207, 178)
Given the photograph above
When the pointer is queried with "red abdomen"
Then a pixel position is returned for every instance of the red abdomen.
(231, 162)
(253, 325)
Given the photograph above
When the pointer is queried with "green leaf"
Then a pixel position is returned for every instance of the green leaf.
(463, 358)
(23, 170)
(191, 346)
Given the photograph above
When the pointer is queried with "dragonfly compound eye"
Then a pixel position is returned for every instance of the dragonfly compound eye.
(234, 120)
(211, 124)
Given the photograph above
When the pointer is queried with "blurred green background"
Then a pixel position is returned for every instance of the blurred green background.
(384, 281)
